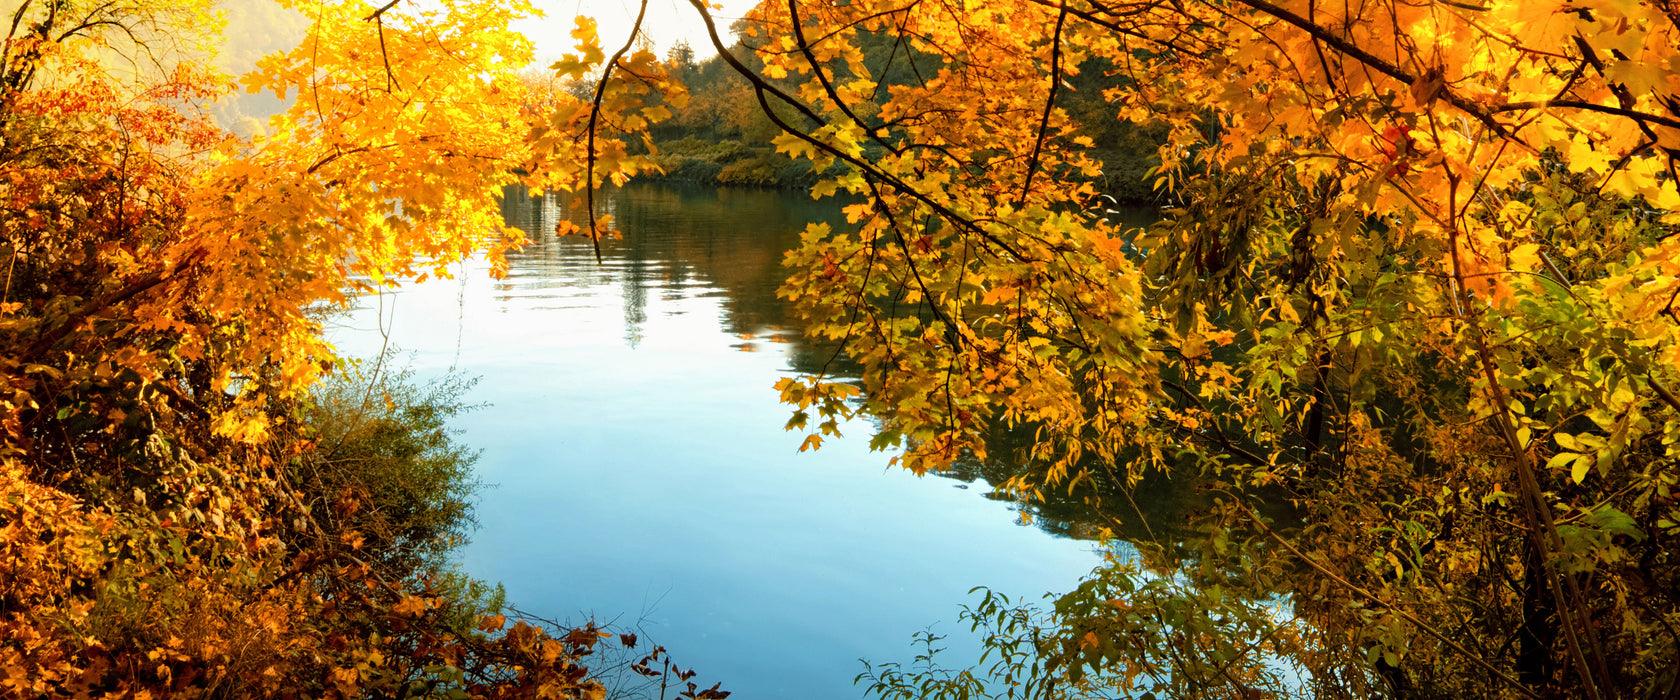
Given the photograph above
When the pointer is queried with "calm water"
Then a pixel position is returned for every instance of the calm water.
(643, 477)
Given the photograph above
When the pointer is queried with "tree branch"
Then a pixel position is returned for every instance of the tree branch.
(129, 291)
(1589, 107)
(594, 118)
(1350, 49)
(1049, 102)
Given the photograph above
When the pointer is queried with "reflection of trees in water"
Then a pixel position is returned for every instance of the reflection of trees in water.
(1158, 509)
(547, 261)
(1153, 510)
(535, 216)
(634, 289)
(675, 239)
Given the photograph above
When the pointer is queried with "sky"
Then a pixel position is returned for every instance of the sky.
(668, 21)
(258, 27)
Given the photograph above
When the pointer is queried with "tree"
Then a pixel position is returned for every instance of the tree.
(168, 522)
(679, 60)
(1419, 284)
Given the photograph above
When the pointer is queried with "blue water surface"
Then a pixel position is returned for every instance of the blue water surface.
(638, 467)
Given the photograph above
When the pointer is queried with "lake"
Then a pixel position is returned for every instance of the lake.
(640, 472)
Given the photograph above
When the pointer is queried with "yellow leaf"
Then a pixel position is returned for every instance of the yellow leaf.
(410, 606)
(1524, 258)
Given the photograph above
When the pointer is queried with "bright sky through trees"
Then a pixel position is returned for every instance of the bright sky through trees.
(668, 21)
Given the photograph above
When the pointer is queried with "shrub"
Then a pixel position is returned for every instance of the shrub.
(386, 465)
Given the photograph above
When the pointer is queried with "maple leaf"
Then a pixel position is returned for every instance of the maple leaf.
(410, 606)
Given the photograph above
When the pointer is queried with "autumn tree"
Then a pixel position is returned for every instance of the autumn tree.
(1419, 287)
(174, 514)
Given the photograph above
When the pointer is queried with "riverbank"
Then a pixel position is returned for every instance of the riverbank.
(693, 160)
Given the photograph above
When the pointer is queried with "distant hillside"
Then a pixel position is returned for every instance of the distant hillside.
(255, 28)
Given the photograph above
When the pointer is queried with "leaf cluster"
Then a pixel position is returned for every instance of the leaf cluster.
(184, 510)
(1416, 286)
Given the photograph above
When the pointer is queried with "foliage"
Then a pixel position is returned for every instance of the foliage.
(1420, 284)
(1419, 287)
(729, 162)
(383, 463)
(722, 111)
(169, 523)
(720, 107)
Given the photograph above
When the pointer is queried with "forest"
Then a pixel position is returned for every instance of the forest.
(1409, 323)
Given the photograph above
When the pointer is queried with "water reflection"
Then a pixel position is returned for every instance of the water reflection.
(1103, 504)
(642, 467)
(729, 244)
(724, 243)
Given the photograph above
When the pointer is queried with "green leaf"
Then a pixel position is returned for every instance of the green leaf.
(1615, 522)
(1583, 463)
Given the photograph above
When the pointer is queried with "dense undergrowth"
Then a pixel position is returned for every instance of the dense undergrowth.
(197, 498)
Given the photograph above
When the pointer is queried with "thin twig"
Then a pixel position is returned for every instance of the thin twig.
(1049, 102)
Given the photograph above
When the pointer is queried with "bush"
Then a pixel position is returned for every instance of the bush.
(386, 466)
